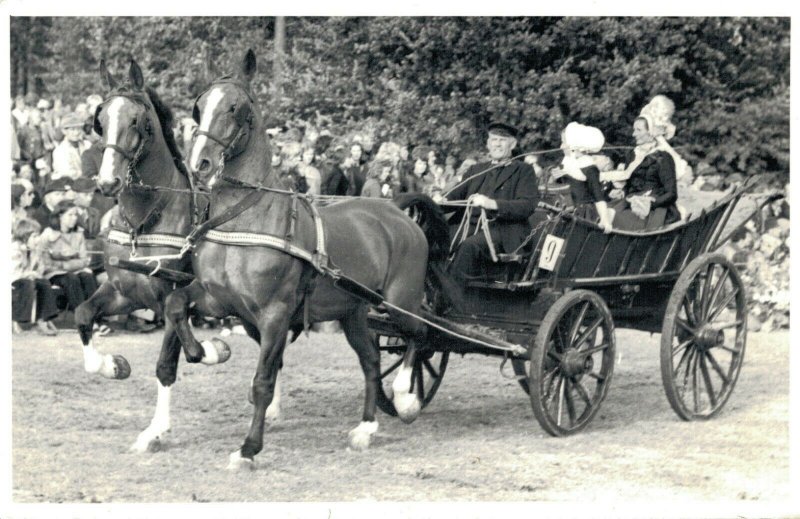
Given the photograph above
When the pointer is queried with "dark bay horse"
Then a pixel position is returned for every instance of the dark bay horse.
(272, 290)
(143, 168)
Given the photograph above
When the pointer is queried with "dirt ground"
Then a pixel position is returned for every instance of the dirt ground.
(477, 441)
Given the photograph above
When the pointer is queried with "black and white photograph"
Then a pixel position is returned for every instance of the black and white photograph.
(415, 263)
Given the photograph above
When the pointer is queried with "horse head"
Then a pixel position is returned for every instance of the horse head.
(225, 114)
(124, 121)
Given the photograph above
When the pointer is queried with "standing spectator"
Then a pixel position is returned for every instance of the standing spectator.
(354, 170)
(20, 112)
(335, 182)
(32, 299)
(309, 171)
(67, 155)
(403, 166)
(379, 182)
(63, 251)
(416, 182)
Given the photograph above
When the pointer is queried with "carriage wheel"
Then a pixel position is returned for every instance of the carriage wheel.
(572, 360)
(429, 368)
(703, 337)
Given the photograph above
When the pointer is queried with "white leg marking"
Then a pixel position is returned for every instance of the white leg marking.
(274, 409)
(207, 117)
(150, 438)
(405, 400)
(92, 359)
(361, 436)
(210, 355)
(108, 165)
(237, 462)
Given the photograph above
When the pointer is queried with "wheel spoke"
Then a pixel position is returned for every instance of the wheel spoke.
(695, 385)
(686, 355)
(728, 349)
(718, 310)
(687, 308)
(570, 403)
(586, 333)
(576, 324)
(560, 408)
(682, 346)
(683, 324)
(717, 289)
(596, 376)
(689, 357)
(599, 347)
(431, 370)
(391, 368)
(582, 392)
(549, 386)
(718, 369)
(706, 288)
(553, 355)
(707, 379)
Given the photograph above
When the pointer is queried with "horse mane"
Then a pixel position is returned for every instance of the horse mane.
(167, 119)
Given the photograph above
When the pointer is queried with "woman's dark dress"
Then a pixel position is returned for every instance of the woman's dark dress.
(655, 174)
(586, 194)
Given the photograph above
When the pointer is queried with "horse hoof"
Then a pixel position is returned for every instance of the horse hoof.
(153, 445)
(408, 407)
(360, 437)
(122, 369)
(215, 351)
(237, 462)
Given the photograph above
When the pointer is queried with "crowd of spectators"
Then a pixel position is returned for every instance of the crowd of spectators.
(58, 215)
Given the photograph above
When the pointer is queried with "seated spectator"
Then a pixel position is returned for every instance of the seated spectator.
(32, 299)
(354, 170)
(89, 219)
(437, 183)
(67, 155)
(62, 248)
(21, 199)
(54, 192)
(379, 180)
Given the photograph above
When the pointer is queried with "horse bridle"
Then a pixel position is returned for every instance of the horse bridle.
(242, 116)
(144, 129)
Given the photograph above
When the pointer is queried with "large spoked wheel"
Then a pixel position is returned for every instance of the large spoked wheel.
(429, 368)
(572, 361)
(703, 337)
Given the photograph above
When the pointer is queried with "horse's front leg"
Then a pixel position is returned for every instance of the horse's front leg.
(404, 393)
(273, 327)
(177, 306)
(105, 301)
(150, 440)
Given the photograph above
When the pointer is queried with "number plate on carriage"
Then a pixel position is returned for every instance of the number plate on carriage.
(550, 251)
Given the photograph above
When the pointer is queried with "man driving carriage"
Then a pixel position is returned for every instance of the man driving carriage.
(507, 190)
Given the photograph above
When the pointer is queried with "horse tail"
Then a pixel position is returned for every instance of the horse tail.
(430, 217)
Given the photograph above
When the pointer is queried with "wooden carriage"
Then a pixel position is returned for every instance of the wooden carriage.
(552, 312)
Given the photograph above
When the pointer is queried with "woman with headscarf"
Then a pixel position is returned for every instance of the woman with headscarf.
(580, 171)
(651, 189)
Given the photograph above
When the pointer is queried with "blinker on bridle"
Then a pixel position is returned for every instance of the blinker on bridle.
(144, 129)
(242, 116)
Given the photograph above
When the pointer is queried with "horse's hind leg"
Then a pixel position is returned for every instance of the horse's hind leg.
(166, 372)
(358, 335)
(176, 309)
(105, 301)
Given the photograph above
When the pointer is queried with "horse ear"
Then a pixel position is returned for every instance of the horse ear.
(135, 75)
(249, 65)
(106, 75)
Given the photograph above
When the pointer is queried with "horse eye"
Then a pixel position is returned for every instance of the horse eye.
(133, 122)
(233, 108)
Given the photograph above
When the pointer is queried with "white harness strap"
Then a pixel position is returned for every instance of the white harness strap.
(250, 239)
(153, 240)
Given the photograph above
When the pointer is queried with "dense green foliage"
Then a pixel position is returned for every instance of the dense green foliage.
(440, 80)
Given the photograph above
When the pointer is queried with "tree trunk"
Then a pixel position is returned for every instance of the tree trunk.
(280, 51)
